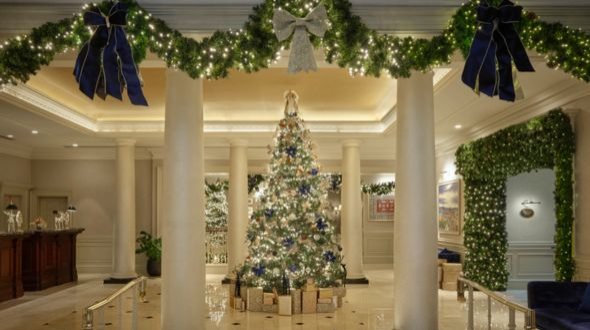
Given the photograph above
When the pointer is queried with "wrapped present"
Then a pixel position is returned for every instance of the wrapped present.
(255, 299)
(340, 301)
(310, 285)
(309, 301)
(285, 305)
(450, 274)
(449, 286)
(268, 298)
(335, 302)
(326, 293)
(238, 304)
(339, 291)
(270, 308)
(325, 308)
(296, 301)
(244, 295)
(324, 300)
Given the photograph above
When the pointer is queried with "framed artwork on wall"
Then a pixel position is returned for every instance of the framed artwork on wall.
(381, 208)
(449, 207)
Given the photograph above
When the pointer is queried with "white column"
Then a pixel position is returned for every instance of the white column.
(238, 204)
(351, 216)
(415, 229)
(183, 234)
(124, 252)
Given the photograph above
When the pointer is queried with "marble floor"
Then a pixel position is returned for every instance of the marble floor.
(365, 307)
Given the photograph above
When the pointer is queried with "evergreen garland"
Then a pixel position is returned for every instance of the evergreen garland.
(379, 189)
(349, 43)
(485, 164)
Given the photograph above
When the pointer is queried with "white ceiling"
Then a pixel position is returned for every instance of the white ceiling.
(368, 116)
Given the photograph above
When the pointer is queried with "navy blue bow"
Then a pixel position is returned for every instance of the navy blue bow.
(116, 69)
(488, 67)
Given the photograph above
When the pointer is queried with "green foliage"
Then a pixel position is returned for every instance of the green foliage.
(290, 229)
(216, 213)
(379, 189)
(349, 43)
(152, 247)
(485, 164)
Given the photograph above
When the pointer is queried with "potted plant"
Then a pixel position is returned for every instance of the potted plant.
(152, 247)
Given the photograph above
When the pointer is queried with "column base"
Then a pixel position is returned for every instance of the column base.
(362, 280)
(112, 280)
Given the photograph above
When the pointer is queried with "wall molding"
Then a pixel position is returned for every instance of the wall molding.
(94, 254)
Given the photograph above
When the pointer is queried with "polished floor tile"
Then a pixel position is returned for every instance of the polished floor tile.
(365, 307)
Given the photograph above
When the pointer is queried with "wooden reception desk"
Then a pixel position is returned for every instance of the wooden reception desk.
(11, 283)
(49, 258)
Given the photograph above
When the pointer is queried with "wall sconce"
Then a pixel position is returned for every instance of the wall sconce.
(526, 211)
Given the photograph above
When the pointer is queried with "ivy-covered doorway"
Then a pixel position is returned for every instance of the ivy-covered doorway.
(485, 164)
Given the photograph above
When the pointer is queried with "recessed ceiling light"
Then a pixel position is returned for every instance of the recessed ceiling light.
(75, 145)
(10, 136)
(34, 131)
(458, 126)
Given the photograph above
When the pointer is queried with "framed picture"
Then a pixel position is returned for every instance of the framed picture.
(381, 208)
(449, 207)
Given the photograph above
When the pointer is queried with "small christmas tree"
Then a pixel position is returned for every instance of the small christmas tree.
(216, 221)
(290, 232)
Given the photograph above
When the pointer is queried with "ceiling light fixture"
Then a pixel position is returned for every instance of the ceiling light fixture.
(34, 131)
(10, 136)
(75, 145)
(458, 126)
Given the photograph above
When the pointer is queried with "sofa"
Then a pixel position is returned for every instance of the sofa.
(557, 305)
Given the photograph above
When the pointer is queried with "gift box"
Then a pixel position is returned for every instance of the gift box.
(340, 301)
(255, 299)
(450, 275)
(339, 291)
(296, 301)
(335, 302)
(244, 295)
(310, 285)
(309, 300)
(285, 305)
(268, 298)
(270, 308)
(326, 293)
(325, 308)
(238, 304)
(324, 300)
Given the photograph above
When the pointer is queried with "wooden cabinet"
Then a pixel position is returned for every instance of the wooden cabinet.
(11, 284)
(49, 259)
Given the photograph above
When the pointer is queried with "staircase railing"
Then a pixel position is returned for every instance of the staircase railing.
(139, 289)
(529, 314)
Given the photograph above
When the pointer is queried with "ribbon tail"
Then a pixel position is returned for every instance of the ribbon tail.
(80, 62)
(301, 57)
(129, 70)
(479, 72)
(506, 84)
(516, 48)
(90, 67)
(110, 65)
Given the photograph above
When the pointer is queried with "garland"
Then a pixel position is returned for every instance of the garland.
(379, 189)
(348, 43)
(485, 164)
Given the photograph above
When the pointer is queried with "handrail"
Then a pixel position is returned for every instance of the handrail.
(530, 321)
(139, 282)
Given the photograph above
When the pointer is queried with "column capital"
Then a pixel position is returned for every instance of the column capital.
(351, 143)
(238, 143)
(126, 142)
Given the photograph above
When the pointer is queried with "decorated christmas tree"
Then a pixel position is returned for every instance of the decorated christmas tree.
(216, 221)
(290, 234)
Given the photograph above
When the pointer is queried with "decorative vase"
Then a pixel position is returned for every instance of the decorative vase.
(154, 267)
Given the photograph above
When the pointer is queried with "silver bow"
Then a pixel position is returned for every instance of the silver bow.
(285, 24)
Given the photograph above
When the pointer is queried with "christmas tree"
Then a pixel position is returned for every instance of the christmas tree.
(290, 234)
(216, 221)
